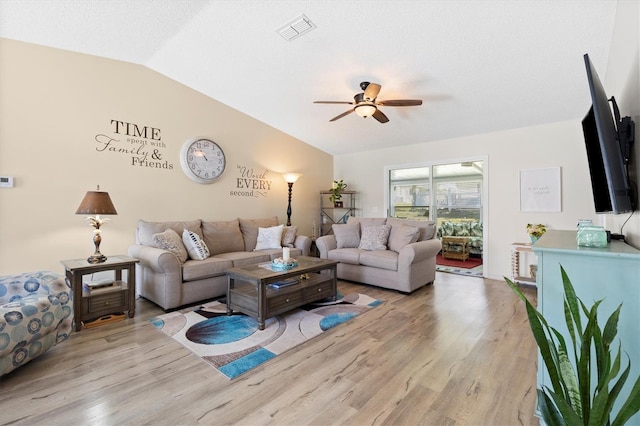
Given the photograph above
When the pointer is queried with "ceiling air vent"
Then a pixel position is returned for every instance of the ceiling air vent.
(294, 29)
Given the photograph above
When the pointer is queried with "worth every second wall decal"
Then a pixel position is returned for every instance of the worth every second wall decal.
(251, 183)
(141, 145)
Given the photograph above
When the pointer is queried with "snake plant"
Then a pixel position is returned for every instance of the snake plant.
(572, 398)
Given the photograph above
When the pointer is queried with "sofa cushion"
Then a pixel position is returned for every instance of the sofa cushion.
(289, 236)
(382, 259)
(242, 258)
(366, 221)
(200, 269)
(427, 227)
(461, 229)
(195, 246)
(269, 238)
(401, 235)
(347, 234)
(374, 237)
(476, 229)
(222, 236)
(170, 241)
(346, 255)
(249, 229)
(145, 230)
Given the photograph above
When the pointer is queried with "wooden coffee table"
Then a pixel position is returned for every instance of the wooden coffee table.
(462, 243)
(249, 290)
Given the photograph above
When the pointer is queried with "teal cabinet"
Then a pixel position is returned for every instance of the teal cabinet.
(611, 273)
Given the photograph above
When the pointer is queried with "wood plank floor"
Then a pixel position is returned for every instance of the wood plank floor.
(458, 352)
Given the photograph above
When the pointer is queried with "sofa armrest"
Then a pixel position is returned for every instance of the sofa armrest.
(325, 244)
(303, 243)
(416, 252)
(157, 259)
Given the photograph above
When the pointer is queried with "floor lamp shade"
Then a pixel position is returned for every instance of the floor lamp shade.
(96, 203)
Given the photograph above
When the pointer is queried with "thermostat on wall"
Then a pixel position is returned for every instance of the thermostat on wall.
(6, 181)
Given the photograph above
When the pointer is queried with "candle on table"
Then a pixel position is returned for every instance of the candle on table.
(285, 253)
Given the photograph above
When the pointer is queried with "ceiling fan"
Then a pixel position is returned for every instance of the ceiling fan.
(365, 104)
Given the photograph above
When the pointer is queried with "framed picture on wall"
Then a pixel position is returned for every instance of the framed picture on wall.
(540, 190)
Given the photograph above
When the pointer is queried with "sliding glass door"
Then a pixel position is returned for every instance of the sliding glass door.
(437, 192)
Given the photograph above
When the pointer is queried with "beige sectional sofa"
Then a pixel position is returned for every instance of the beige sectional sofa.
(169, 278)
(392, 253)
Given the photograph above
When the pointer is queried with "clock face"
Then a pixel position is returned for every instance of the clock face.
(202, 160)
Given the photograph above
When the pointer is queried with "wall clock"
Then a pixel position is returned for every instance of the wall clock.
(202, 160)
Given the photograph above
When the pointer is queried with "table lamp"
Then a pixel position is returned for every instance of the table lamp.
(96, 203)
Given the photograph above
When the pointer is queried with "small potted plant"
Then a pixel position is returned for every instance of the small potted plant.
(336, 192)
(535, 231)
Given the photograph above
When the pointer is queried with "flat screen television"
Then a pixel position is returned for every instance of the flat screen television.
(608, 140)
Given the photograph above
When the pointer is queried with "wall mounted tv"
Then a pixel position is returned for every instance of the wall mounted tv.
(608, 139)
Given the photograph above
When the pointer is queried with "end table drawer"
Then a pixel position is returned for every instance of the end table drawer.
(115, 301)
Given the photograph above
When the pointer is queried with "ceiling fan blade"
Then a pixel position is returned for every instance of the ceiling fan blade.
(401, 102)
(333, 102)
(342, 115)
(372, 90)
(379, 115)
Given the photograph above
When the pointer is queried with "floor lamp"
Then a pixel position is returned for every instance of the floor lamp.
(290, 178)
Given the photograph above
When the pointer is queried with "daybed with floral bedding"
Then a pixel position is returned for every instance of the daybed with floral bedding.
(466, 228)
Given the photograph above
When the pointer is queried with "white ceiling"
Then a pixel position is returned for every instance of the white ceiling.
(479, 66)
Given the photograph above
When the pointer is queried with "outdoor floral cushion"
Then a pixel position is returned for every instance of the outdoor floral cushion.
(374, 237)
(170, 240)
(195, 246)
(269, 238)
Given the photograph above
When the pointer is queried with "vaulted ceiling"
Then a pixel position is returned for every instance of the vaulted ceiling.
(479, 66)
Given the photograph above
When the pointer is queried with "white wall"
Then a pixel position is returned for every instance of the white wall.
(508, 152)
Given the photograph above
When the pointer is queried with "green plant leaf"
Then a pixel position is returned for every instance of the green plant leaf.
(571, 298)
(569, 416)
(548, 410)
(632, 404)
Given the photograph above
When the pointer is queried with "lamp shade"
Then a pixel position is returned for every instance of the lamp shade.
(291, 177)
(96, 202)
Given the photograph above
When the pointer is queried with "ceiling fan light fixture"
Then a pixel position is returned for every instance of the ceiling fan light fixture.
(365, 110)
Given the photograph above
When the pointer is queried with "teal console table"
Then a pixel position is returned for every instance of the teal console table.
(611, 273)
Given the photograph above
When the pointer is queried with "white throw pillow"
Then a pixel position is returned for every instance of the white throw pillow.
(197, 249)
(170, 240)
(375, 237)
(269, 238)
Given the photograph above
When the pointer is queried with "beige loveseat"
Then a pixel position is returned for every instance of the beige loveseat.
(392, 253)
(165, 277)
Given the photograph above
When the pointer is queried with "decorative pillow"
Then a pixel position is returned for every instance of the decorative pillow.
(249, 229)
(223, 236)
(197, 249)
(375, 237)
(269, 238)
(289, 236)
(401, 235)
(170, 240)
(347, 235)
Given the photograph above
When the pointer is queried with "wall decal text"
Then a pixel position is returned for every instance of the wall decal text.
(251, 183)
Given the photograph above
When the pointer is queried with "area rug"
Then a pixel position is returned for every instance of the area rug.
(468, 269)
(234, 345)
(470, 263)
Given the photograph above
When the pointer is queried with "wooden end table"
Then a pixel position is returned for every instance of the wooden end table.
(119, 297)
(248, 289)
(449, 242)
